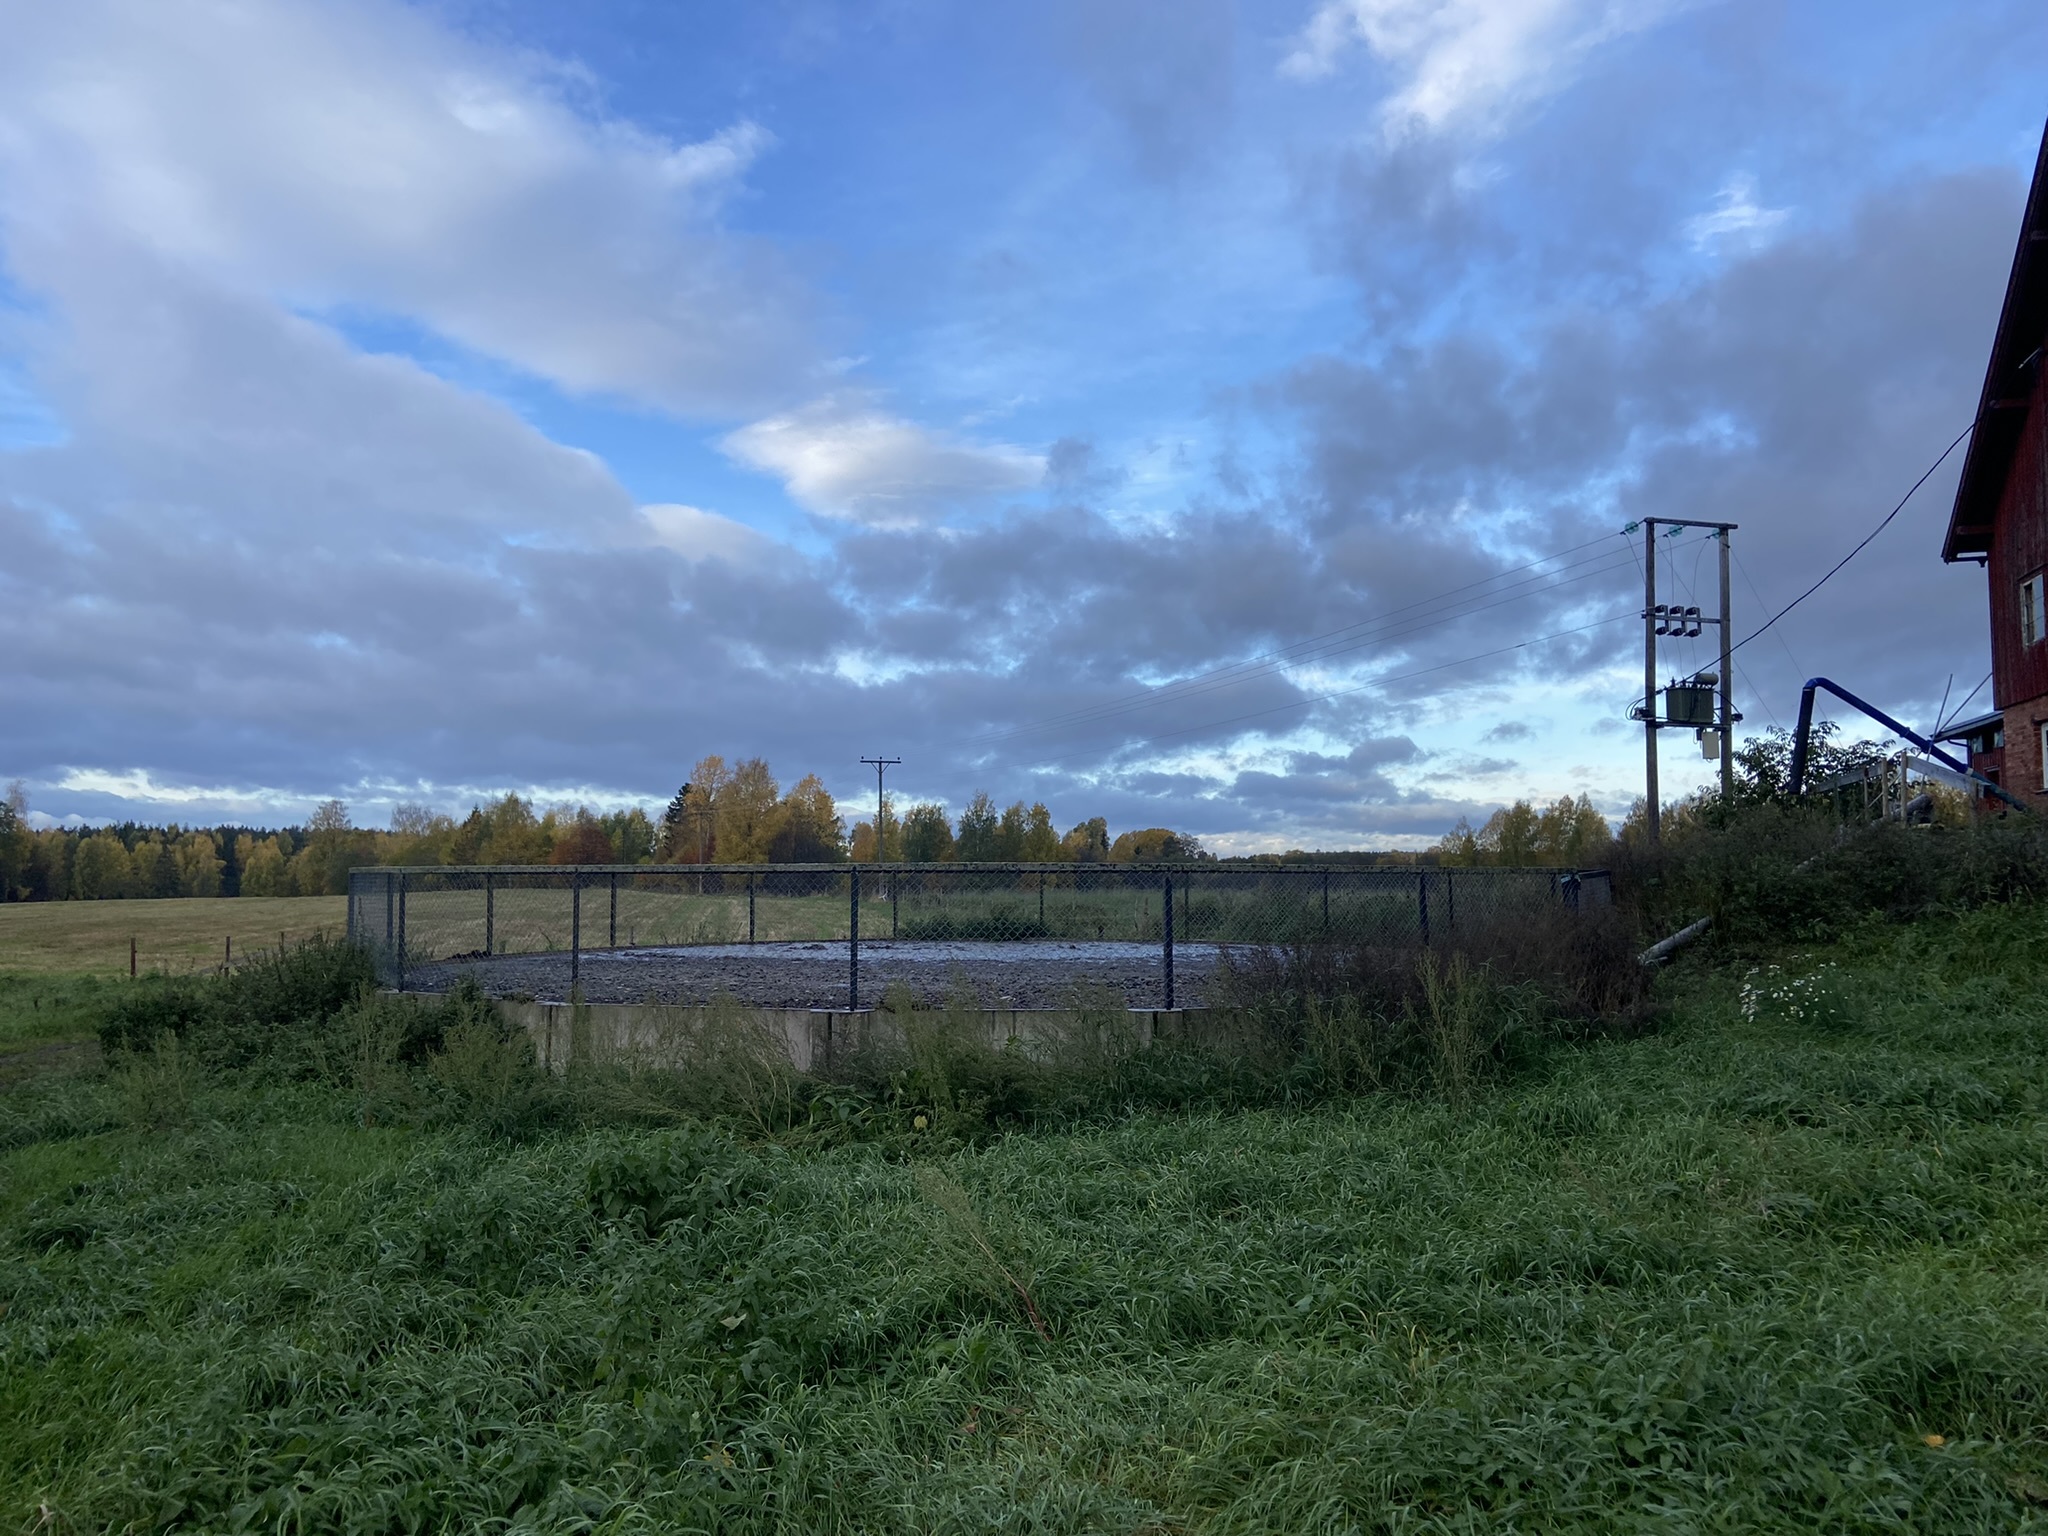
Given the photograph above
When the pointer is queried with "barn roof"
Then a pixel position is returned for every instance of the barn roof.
(2002, 409)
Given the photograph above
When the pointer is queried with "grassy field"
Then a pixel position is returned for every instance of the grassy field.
(179, 935)
(1776, 1266)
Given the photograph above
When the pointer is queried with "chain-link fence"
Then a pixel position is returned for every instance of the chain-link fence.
(836, 935)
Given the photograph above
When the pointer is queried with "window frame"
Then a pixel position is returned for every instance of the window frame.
(2033, 612)
(2042, 728)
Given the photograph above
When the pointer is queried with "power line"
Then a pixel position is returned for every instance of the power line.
(1944, 724)
(1880, 528)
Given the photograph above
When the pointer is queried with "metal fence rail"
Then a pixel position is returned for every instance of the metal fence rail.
(427, 924)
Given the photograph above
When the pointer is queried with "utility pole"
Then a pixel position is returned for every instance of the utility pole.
(1661, 619)
(1727, 683)
(1650, 679)
(881, 765)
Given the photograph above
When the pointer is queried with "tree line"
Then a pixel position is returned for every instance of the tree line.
(725, 814)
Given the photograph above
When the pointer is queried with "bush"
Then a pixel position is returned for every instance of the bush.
(1773, 874)
(250, 1014)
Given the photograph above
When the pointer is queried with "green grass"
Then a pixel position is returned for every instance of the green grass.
(1726, 1277)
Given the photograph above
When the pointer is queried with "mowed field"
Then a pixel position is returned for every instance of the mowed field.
(180, 935)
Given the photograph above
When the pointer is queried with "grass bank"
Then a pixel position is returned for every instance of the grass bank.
(1775, 1266)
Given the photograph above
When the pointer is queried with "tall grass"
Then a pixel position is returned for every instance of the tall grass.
(1749, 1272)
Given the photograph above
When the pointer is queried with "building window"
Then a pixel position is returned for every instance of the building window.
(2033, 618)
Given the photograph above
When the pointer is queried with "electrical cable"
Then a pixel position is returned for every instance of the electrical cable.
(1880, 528)
(1952, 719)
(1756, 593)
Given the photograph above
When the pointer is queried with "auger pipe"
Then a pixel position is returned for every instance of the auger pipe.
(1805, 729)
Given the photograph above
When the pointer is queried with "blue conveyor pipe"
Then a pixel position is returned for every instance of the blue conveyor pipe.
(1801, 735)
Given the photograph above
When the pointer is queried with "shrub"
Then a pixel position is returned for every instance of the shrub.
(235, 1020)
(1773, 874)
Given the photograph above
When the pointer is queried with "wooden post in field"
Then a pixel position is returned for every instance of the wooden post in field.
(227, 954)
(131, 957)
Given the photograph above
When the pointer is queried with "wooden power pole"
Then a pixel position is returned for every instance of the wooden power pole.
(1662, 619)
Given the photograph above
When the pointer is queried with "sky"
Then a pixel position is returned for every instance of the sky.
(1217, 416)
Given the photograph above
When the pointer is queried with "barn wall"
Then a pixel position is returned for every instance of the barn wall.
(2019, 548)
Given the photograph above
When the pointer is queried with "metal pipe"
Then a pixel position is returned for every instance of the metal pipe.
(1663, 949)
(1804, 729)
(853, 948)
(1167, 914)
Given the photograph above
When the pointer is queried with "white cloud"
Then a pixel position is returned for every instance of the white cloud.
(362, 155)
(843, 458)
(696, 534)
(1736, 216)
(1465, 60)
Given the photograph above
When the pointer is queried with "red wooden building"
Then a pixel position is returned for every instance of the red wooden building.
(2001, 517)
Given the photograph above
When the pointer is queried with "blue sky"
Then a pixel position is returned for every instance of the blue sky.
(409, 403)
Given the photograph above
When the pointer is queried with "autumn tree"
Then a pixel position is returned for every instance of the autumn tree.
(102, 870)
(747, 811)
(264, 866)
(198, 861)
(581, 841)
(420, 836)
(1156, 845)
(1087, 842)
(809, 830)
(1040, 844)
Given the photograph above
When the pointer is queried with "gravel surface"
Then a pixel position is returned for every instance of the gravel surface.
(1020, 975)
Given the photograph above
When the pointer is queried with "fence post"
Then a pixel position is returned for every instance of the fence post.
(853, 950)
(1422, 901)
(575, 927)
(390, 911)
(1166, 914)
(611, 940)
(351, 906)
(401, 933)
(895, 900)
(490, 914)
(750, 909)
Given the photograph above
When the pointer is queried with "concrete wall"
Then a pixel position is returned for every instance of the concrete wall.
(815, 1040)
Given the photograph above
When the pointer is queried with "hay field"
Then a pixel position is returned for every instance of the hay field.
(180, 935)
